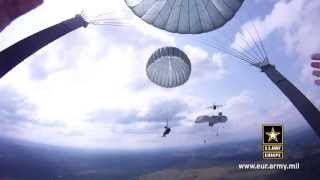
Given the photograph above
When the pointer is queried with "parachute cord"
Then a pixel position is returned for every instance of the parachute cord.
(231, 51)
(259, 42)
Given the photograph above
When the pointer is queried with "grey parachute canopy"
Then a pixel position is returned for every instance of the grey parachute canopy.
(204, 118)
(185, 16)
(168, 67)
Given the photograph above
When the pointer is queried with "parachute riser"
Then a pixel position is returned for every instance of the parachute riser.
(265, 62)
(18, 52)
(298, 99)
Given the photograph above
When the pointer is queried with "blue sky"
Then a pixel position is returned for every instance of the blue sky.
(89, 89)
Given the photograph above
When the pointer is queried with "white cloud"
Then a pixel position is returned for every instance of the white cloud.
(280, 18)
(195, 54)
(203, 66)
(296, 20)
(217, 60)
(151, 31)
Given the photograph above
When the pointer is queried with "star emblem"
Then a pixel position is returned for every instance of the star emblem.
(272, 135)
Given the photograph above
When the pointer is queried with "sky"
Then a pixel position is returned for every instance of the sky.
(89, 88)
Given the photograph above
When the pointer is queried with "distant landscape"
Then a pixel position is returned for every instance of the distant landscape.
(21, 160)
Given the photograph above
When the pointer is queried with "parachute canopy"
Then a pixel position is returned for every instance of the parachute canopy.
(185, 16)
(204, 118)
(168, 67)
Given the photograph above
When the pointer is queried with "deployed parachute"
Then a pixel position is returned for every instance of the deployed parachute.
(185, 16)
(168, 67)
(212, 120)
